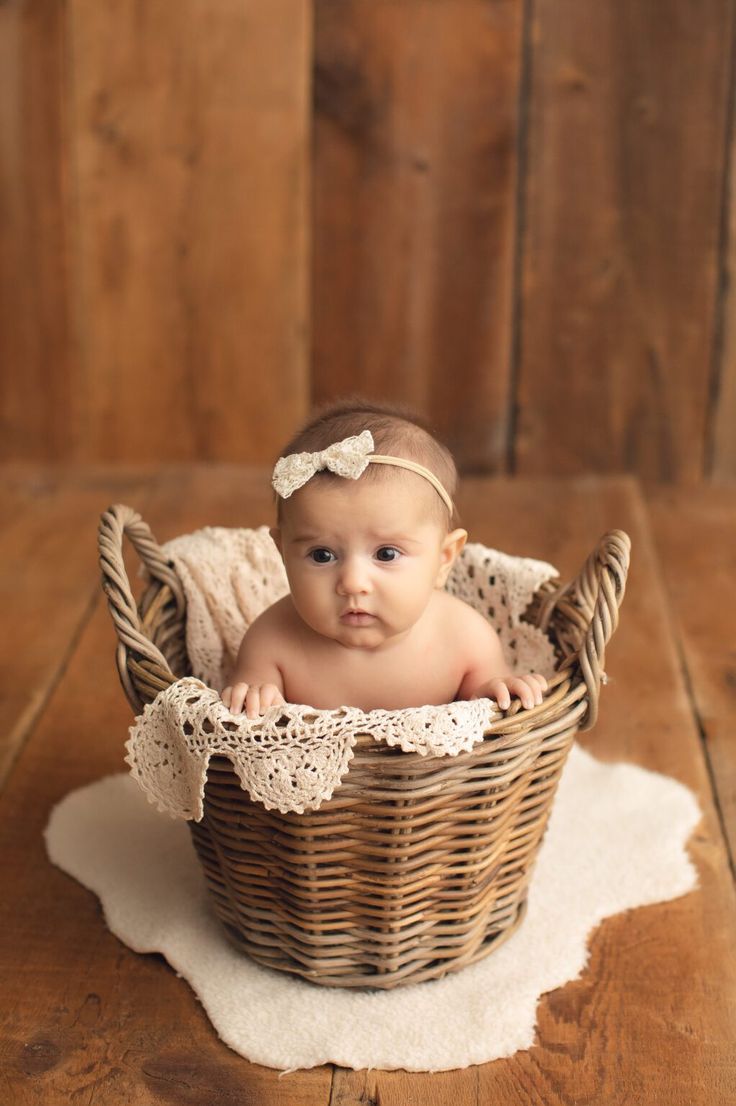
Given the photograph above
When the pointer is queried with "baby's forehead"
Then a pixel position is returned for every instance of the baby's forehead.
(381, 509)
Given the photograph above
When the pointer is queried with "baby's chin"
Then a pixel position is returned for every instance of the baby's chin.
(361, 638)
(370, 636)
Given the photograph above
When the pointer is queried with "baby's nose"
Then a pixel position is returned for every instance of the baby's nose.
(353, 577)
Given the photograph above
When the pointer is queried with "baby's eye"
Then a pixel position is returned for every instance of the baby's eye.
(320, 556)
(388, 553)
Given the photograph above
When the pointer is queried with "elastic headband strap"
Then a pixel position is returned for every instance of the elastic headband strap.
(402, 462)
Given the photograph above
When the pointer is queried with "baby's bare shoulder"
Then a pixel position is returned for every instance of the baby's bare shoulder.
(272, 623)
(273, 615)
(475, 645)
(463, 621)
(261, 652)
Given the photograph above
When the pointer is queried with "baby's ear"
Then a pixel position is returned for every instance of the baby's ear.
(276, 535)
(451, 548)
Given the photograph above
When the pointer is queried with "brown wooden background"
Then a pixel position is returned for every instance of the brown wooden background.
(515, 214)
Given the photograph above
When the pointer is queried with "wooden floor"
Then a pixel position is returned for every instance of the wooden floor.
(84, 1019)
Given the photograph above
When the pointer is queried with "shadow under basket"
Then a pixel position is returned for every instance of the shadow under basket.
(418, 865)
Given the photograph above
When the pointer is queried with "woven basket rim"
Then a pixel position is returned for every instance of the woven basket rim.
(152, 637)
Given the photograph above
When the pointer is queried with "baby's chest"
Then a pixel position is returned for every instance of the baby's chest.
(389, 682)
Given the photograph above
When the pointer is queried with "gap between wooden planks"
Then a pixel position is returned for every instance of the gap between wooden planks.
(650, 1020)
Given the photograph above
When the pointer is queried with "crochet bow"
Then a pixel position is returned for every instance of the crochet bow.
(348, 458)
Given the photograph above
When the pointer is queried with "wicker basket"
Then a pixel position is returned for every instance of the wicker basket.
(418, 865)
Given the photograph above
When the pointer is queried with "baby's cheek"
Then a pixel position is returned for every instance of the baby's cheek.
(316, 611)
(416, 594)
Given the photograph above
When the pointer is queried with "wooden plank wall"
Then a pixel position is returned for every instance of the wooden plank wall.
(178, 300)
(624, 179)
(415, 220)
(37, 368)
(515, 214)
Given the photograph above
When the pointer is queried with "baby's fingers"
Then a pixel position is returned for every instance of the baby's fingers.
(528, 689)
(497, 689)
(519, 688)
(237, 698)
(270, 696)
(253, 701)
(540, 685)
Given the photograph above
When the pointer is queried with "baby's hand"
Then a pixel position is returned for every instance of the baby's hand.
(256, 698)
(529, 689)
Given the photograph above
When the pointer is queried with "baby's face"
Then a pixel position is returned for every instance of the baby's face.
(363, 559)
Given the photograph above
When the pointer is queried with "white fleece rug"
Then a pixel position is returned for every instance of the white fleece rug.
(616, 840)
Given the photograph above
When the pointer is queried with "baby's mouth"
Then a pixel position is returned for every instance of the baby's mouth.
(356, 616)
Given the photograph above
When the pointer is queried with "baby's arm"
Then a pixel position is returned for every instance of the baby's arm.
(256, 682)
(487, 674)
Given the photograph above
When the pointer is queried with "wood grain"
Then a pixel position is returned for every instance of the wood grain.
(721, 458)
(49, 581)
(190, 149)
(518, 216)
(620, 267)
(39, 399)
(415, 175)
(696, 540)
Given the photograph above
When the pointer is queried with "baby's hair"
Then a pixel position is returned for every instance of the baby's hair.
(397, 430)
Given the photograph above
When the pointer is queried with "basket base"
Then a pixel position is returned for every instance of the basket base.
(372, 981)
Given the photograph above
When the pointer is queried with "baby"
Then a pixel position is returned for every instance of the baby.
(365, 528)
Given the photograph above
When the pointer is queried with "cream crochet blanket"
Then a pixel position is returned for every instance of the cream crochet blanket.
(293, 757)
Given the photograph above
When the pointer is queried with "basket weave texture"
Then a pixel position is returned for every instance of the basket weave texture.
(417, 865)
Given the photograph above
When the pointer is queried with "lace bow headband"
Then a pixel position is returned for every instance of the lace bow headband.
(349, 458)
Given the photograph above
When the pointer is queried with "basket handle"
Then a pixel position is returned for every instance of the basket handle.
(595, 596)
(116, 523)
